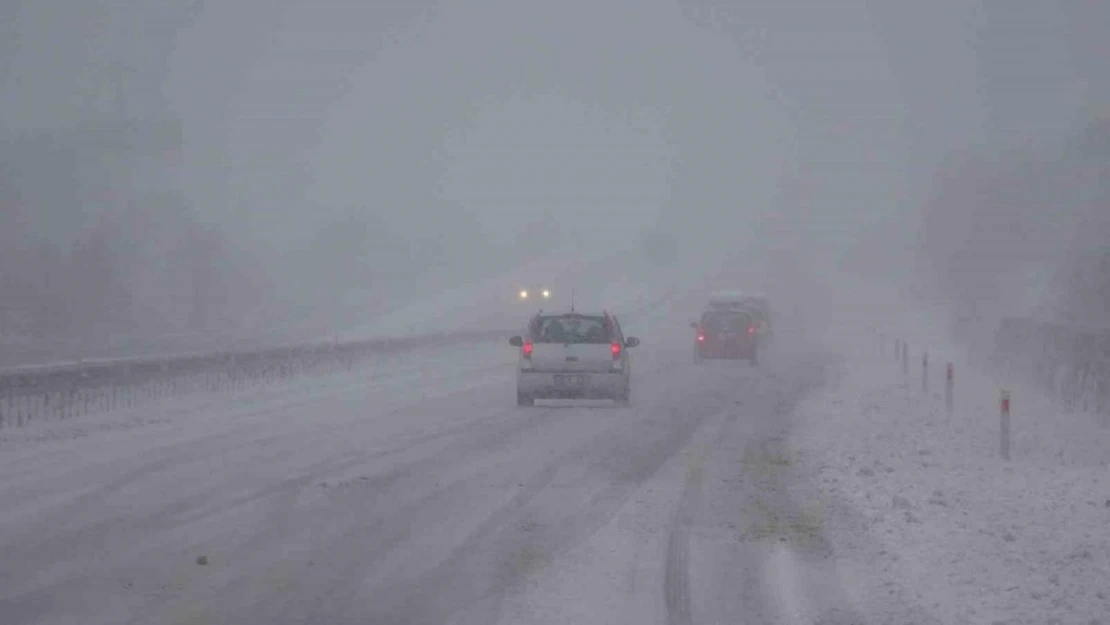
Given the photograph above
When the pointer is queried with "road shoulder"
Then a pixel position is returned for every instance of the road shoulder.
(924, 503)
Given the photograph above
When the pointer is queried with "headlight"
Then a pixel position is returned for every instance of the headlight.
(546, 294)
(524, 295)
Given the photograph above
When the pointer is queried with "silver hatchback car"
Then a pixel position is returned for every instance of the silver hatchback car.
(573, 355)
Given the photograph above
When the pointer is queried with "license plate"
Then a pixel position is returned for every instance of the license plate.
(570, 381)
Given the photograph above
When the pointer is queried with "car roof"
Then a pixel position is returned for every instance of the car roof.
(735, 296)
(572, 313)
(740, 310)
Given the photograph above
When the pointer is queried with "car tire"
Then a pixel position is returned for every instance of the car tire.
(697, 358)
(524, 400)
(754, 359)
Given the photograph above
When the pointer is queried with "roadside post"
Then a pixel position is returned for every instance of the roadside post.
(949, 384)
(1004, 425)
(925, 373)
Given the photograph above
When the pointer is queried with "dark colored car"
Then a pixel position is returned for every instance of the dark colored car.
(726, 334)
(761, 319)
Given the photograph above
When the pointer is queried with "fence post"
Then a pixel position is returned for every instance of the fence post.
(905, 360)
(949, 384)
(1004, 425)
(925, 373)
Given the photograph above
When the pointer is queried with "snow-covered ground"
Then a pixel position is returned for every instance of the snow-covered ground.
(812, 490)
(408, 491)
(927, 499)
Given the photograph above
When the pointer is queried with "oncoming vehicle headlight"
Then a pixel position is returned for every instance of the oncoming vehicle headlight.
(524, 294)
(546, 293)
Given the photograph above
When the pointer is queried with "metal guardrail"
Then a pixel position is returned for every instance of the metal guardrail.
(70, 389)
(22, 350)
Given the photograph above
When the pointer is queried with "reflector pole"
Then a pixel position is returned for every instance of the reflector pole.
(1004, 425)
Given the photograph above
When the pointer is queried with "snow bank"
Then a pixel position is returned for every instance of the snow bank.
(928, 501)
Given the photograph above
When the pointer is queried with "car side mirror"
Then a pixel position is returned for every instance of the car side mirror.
(631, 342)
(694, 325)
(516, 341)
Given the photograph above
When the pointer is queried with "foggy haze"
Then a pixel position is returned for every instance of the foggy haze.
(414, 311)
(334, 153)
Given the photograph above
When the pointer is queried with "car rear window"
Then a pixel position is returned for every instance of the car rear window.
(571, 329)
(726, 322)
(757, 304)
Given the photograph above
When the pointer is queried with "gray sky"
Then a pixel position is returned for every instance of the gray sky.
(475, 123)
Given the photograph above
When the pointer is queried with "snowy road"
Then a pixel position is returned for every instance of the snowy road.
(422, 494)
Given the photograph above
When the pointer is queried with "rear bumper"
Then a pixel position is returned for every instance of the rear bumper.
(601, 385)
(740, 351)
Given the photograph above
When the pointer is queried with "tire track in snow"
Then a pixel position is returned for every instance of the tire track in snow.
(78, 544)
(676, 580)
(496, 546)
(677, 590)
(359, 533)
(379, 525)
(598, 473)
(676, 567)
(184, 452)
(351, 459)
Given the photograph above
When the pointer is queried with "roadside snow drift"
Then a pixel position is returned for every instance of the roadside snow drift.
(927, 500)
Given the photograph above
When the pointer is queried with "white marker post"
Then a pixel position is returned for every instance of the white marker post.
(1004, 425)
(925, 373)
(949, 386)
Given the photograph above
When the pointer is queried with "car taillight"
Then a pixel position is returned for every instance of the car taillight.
(616, 349)
(701, 335)
(751, 330)
(527, 350)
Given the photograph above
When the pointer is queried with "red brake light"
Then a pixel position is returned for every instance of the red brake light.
(701, 335)
(751, 329)
(616, 349)
(527, 349)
